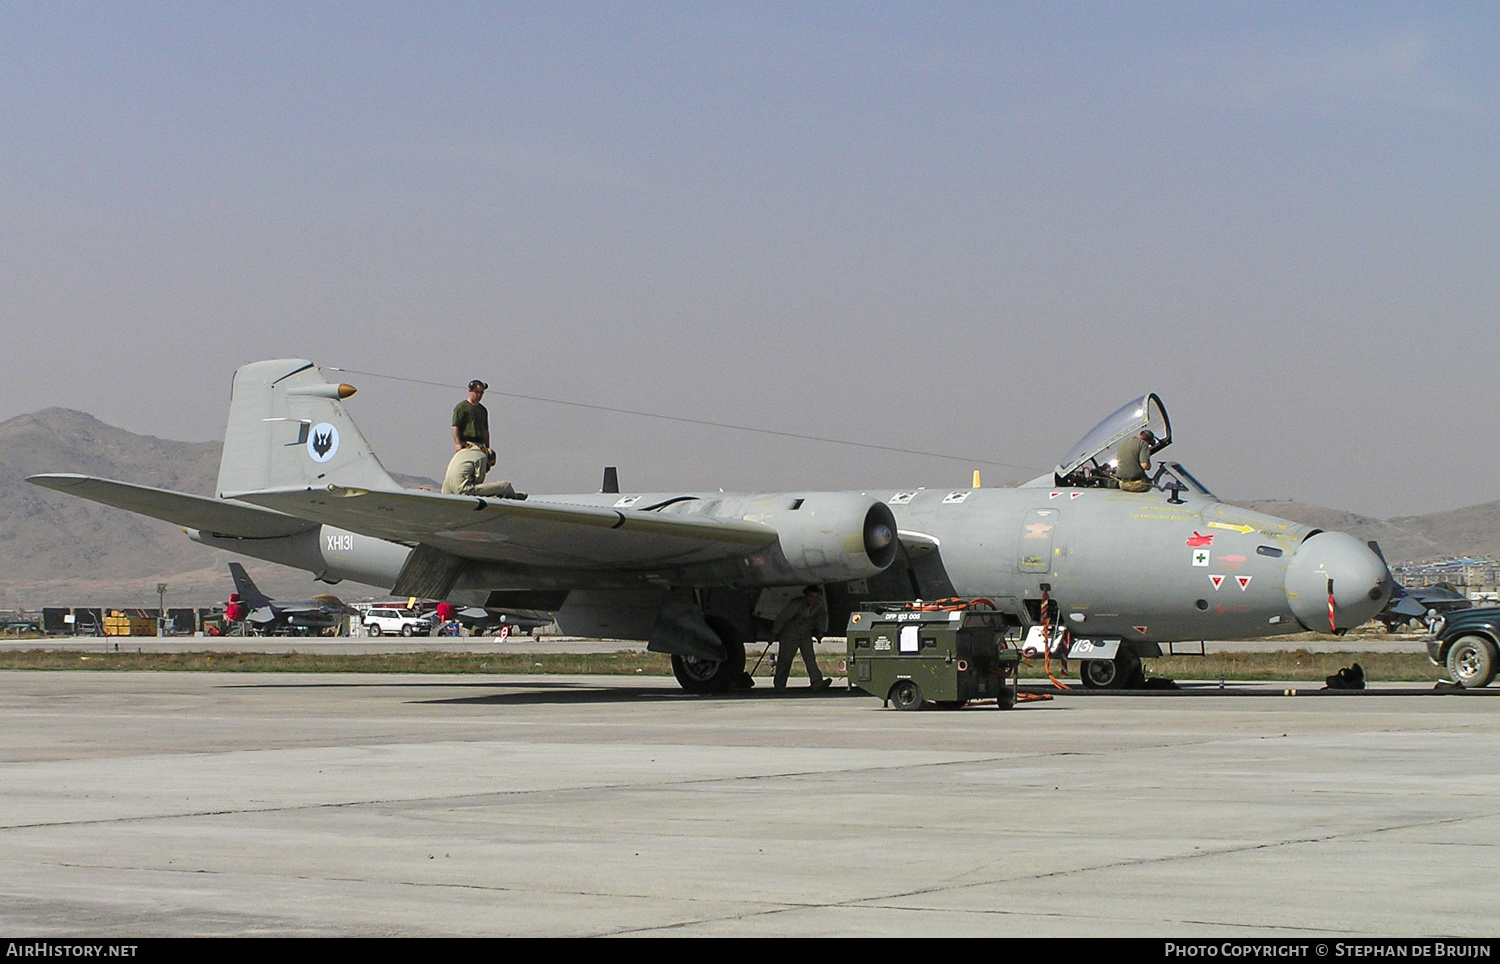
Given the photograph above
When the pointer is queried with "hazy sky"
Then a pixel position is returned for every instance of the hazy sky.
(974, 229)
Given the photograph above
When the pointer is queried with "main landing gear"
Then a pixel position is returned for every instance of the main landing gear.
(698, 675)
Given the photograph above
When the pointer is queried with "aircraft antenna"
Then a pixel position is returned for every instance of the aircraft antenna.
(702, 421)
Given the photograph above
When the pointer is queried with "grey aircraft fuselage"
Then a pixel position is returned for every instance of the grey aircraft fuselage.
(689, 572)
(1131, 565)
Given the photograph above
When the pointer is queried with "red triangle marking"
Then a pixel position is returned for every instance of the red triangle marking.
(1074, 495)
(1053, 495)
(1244, 581)
(1139, 629)
(1217, 581)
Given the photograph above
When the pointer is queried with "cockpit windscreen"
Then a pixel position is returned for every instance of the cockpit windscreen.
(1097, 447)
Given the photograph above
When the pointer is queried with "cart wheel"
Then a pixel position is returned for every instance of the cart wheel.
(906, 695)
(1007, 697)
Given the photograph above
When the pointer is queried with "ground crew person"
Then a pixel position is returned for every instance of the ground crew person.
(446, 614)
(471, 420)
(472, 455)
(466, 472)
(1133, 461)
(801, 622)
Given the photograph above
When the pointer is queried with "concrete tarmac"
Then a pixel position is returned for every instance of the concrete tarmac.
(139, 804)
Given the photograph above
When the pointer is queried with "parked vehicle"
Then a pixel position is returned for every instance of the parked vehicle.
(1467, 642)
(406, 622)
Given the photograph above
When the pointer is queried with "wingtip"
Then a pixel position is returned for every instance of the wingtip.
(56, 480)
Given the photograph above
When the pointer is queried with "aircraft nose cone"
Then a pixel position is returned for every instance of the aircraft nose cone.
(1361, 581)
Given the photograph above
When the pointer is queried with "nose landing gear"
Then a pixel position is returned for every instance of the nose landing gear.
(1122, 672)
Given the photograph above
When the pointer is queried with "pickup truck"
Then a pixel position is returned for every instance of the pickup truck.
(1467, 642)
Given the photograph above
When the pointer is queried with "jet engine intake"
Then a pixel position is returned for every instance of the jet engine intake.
(835, 536)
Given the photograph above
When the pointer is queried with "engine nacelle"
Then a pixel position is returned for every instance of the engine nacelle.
(834, 536)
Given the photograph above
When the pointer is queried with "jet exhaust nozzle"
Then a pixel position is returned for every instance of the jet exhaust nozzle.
(880, 535)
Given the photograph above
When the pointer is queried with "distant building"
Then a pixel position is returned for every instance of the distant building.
(1479, 579)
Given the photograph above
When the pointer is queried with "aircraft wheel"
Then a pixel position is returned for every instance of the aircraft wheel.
(906, 695)
(374, 629)
(698, 675)
(1122, 672)
(1472, 662)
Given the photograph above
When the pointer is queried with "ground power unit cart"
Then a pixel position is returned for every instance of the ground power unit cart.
(949, 652)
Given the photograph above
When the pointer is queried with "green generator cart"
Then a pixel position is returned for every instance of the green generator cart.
(950, 653)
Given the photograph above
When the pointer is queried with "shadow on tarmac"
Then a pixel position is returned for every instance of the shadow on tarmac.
(565, 692)
(640, 695)
(1265, 689)
(556, 691)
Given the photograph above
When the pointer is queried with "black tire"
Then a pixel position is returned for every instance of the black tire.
(697, 675)
(1472, 662)
(1007, 697)
(374, 629)
(1122, 672)
(406, 630)
(906, 695)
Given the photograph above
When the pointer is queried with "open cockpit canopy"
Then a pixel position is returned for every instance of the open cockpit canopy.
(1095, 452)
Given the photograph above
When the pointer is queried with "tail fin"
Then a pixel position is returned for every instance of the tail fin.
(288, 429)
(250, 593)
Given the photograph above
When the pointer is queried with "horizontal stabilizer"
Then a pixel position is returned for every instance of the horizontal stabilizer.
(179, 508)
(533, 532)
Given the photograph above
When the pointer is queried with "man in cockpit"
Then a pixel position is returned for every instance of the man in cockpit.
(1133, 461)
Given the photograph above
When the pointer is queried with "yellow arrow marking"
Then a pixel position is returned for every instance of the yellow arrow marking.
(1225, 525)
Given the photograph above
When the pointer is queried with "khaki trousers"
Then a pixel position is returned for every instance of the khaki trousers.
(465, 476)
(787, 652)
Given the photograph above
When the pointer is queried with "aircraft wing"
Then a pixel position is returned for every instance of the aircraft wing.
(191, 511)
(527, 533)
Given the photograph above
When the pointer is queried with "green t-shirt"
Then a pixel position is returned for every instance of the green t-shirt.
(1133, 451)
(472, 422)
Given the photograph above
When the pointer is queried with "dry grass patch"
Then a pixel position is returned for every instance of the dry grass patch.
(1295, 665)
